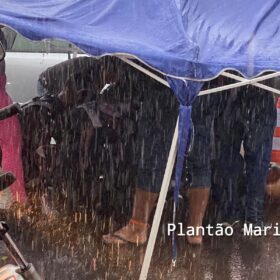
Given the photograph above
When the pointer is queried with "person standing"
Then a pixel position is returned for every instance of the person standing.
(11, 146)
(157, 113)
(242, 117)
(206, 109)
(249, 121)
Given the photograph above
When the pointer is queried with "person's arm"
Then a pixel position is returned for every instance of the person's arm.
(9, 111)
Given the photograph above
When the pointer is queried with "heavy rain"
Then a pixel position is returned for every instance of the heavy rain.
(88, 145)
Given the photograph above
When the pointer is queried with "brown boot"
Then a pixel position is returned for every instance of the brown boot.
(198, 199)
(136, 231)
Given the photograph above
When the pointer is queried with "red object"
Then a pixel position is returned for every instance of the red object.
(11, 146)
(275, 155)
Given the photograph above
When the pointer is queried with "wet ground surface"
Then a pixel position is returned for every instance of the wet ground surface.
(70, 247)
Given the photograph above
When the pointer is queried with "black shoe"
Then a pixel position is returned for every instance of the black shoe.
(6, 179)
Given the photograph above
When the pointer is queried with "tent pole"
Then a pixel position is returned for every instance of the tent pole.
(240, 79)
(142, 69)
(243, 81)
(160, 205)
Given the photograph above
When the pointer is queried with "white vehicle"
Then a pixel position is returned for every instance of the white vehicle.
(26, 60)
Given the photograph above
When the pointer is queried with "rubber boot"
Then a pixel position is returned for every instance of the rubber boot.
(136, 231)
(198, 200)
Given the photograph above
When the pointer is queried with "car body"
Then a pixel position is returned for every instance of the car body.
(26, 60)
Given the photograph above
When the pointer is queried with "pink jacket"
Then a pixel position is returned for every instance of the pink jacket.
(11, 146)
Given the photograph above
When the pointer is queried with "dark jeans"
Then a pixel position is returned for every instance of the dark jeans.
(250, 118)
(205, 110)
(228, 190)
(156, 126)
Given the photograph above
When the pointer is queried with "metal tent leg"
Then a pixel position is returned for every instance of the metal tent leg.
(160, 205)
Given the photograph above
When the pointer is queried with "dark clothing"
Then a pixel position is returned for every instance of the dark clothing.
(205, 110)
(141, 138)
(250, 119)
(156, 125)
(248, 116)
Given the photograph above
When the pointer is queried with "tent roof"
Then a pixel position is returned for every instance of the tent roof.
(194, 39)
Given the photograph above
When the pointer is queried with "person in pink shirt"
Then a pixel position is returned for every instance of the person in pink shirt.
(11, 147)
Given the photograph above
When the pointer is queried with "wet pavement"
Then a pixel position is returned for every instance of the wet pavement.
(70, 247)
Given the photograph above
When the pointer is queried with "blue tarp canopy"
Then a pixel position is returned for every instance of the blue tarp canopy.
(187, 38)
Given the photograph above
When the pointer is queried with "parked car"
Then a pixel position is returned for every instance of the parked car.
(26, 60)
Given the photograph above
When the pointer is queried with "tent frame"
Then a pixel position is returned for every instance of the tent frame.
(173, 150)
(241, 81)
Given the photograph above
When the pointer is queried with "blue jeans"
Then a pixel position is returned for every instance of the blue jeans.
(205, 110)
(249, 118)
(156, 126)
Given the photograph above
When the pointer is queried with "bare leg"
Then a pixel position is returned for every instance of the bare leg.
(198, 200)
(136, 231)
